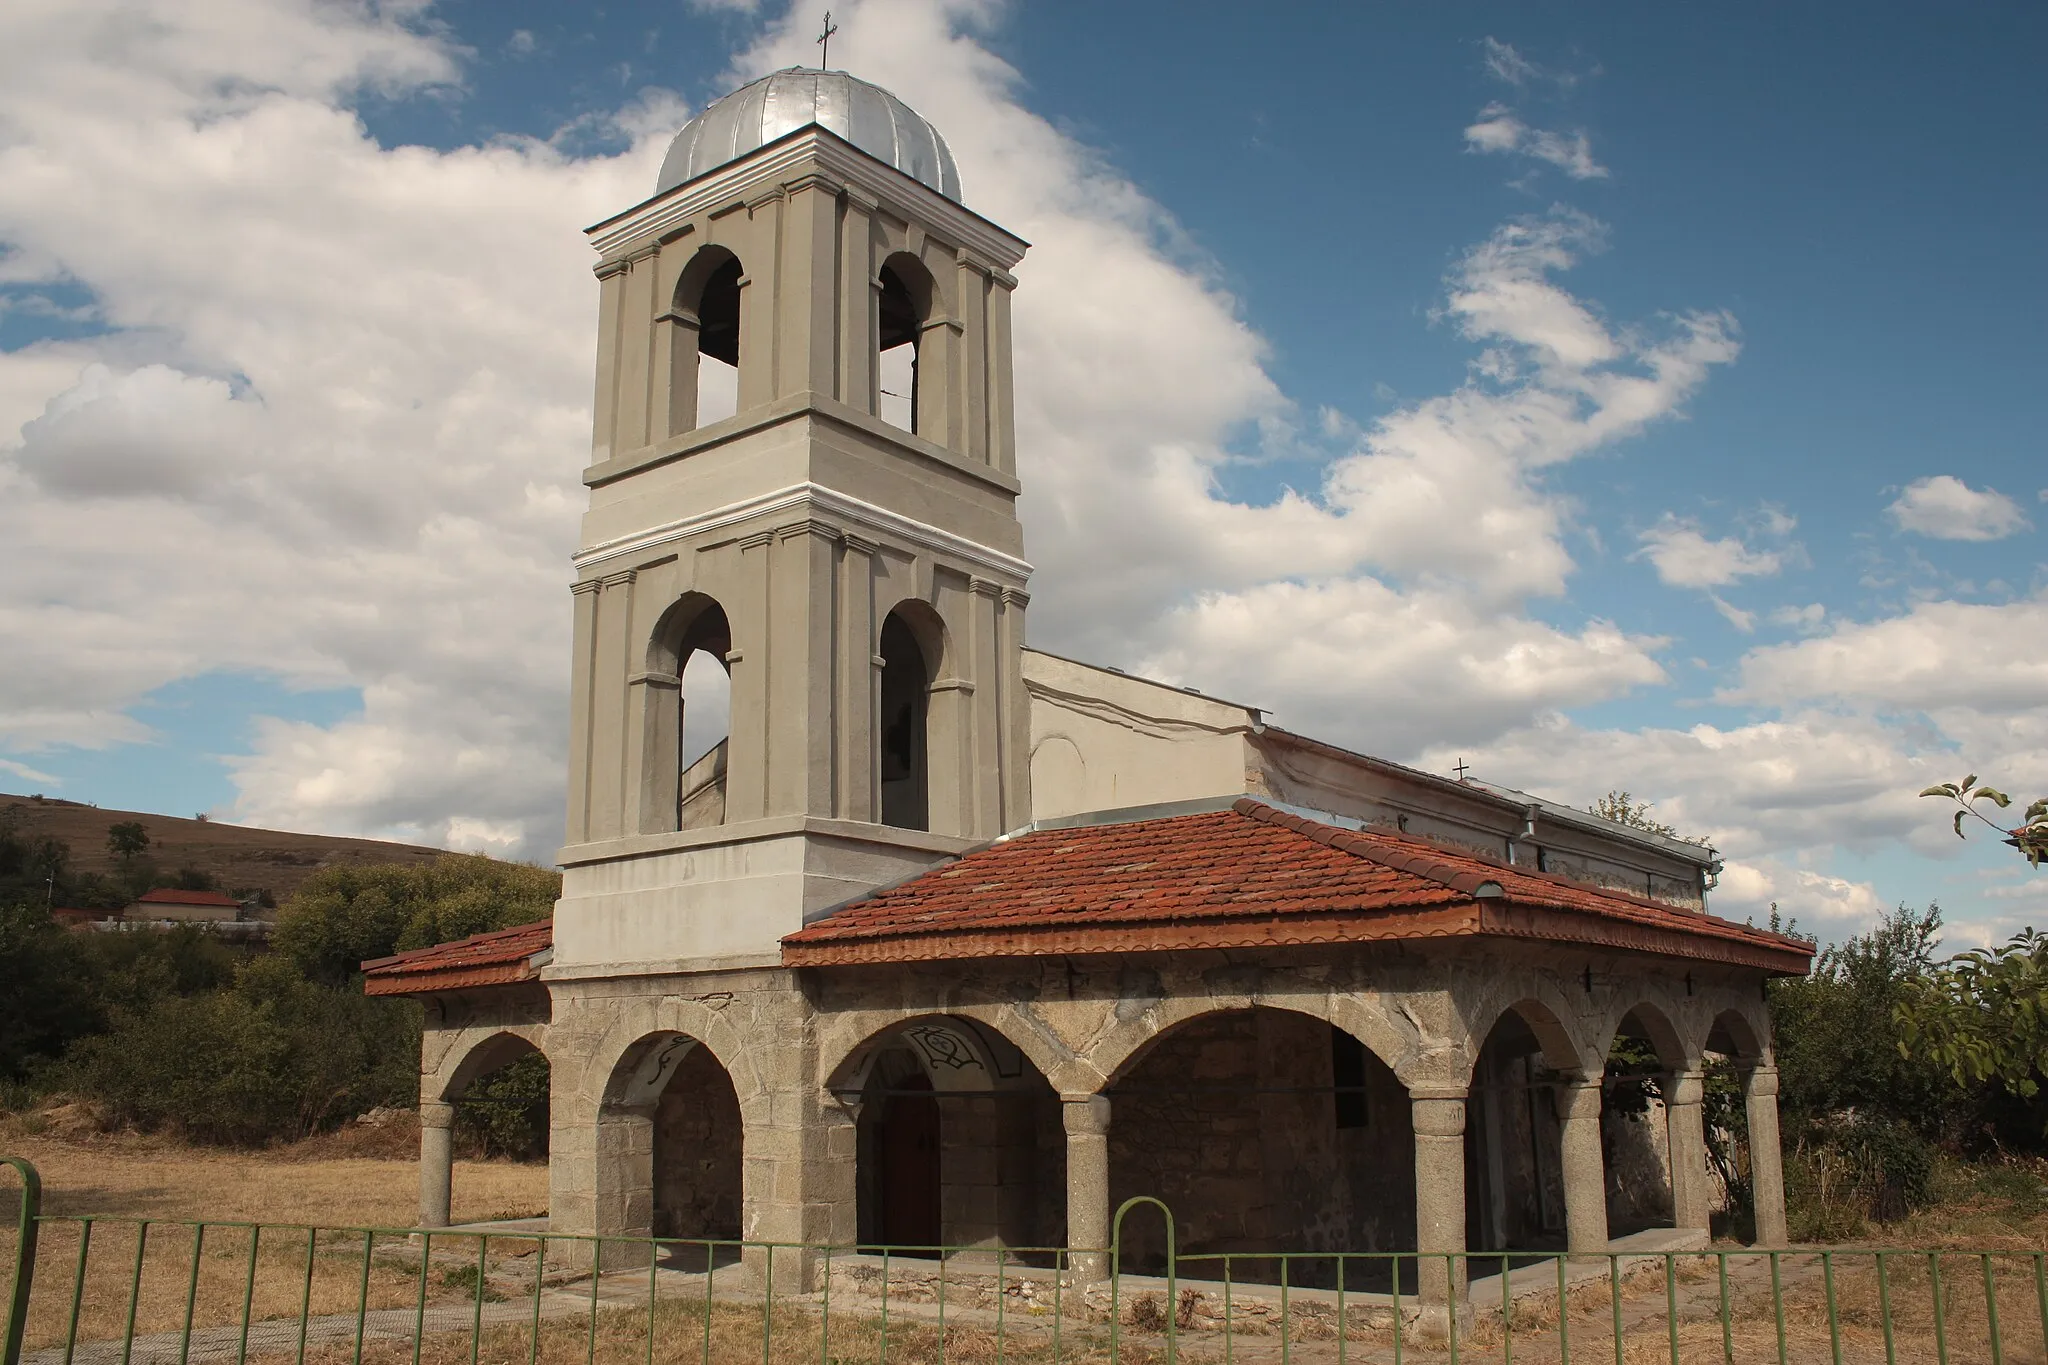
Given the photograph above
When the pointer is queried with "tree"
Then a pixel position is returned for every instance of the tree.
(1983, 1015)
(127, 840)
(343, 916)
(2031, 836)
(1623, 809)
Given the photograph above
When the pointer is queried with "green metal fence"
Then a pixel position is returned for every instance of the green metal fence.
(122, 1291)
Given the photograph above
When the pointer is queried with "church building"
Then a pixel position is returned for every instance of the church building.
(950, 942)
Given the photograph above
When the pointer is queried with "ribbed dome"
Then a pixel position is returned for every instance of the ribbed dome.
(866, 115)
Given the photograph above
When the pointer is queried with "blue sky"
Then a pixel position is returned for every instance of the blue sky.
(270, 567)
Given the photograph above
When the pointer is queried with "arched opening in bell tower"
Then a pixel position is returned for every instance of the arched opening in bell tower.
(905, 305)
(704, 381)
(706, 703)
(903, 747)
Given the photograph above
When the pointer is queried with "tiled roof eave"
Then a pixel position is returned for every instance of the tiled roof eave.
(449, 979)
(1138, 936)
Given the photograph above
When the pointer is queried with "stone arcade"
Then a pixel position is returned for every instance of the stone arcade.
(950, 941)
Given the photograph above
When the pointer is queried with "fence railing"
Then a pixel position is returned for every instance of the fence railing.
(124, 1291)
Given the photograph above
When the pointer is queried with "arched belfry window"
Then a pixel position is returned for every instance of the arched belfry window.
(705, 355)
(902, 745)
(906, 303)
(683, 705)
(705, 701)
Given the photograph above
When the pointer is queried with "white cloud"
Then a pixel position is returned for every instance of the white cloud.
(1685, 558)
(1808, 618)
(313, 447)
(1946, 508)
(1744, 621)
(1504, 62)
(1500, 129)
(1936, 657)
(28, 774)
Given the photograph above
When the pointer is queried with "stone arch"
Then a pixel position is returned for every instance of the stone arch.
(478, 1052)
(704, 315)
(1125, 1045)
(655, 1182)
(1265, 1127)
(1639, 1150)
(683, 764)
(1542, 1007)
(1656, 1025)
(848, 1041)
(958, 1137)
(1741, 1033)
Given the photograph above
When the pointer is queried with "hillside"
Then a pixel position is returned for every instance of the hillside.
(240, 857)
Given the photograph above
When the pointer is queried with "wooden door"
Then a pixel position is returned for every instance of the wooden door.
(910, 1167)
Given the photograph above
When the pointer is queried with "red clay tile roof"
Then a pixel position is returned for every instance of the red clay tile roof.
(1248, 876)
(168, 895)
(494, 959)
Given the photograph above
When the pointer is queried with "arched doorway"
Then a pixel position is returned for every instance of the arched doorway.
(1732, 1051)
(1635, 1134)
(959, 1141)
(1514, 1161)
(1264, 1130)
(670, 1143)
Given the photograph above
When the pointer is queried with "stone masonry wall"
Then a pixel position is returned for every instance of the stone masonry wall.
(697, 1152)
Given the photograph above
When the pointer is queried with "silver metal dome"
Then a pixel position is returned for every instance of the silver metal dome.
(866, 115)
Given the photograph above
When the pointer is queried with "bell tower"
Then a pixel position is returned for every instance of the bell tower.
(803, 479)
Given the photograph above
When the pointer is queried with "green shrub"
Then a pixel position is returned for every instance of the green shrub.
(275, 1058)
(344, 916)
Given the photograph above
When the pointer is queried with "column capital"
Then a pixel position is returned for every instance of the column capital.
(436, 1114)
(1686, 1087)
(1437, 1116)
(1085, 1115)
(1581, 1093)
(1762, 1082)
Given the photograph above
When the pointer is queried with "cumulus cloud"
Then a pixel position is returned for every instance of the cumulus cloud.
(310, 445)
(1500, 129)
(1685, 557)
(1945, 508)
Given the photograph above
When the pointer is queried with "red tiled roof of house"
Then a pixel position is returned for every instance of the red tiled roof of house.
(1249, 876)
(498, 958)
(170, 895)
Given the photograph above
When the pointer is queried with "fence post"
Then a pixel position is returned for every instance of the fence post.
(24, 1257)
(1116, 1274)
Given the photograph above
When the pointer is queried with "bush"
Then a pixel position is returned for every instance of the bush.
(275, 1058)
(506, 1112)
(344, 916)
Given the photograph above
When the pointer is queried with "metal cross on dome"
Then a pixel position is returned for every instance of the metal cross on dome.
(825, 42)
(1461, 769)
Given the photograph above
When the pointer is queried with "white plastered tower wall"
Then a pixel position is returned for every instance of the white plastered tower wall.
(806, 519)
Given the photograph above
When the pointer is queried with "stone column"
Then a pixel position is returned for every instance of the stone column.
(1686, 1141)
(1585, 1171)
(1766, 1168)
(437, 1162)
(1438, 1115)
(1087, 1122)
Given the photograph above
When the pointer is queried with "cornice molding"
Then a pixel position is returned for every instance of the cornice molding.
(828, 503)
(828, 155)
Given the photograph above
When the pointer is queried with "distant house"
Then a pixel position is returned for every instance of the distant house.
(186, 907)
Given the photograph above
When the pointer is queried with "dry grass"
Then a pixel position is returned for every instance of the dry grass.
(123, 1180)
(155, 1177)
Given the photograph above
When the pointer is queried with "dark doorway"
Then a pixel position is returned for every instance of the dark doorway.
(909, 1147)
